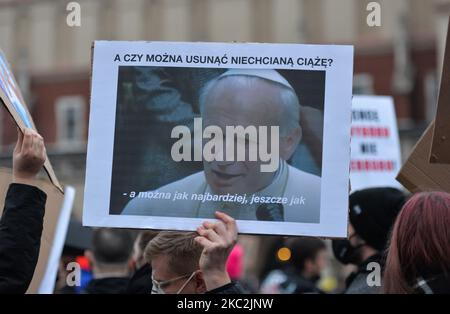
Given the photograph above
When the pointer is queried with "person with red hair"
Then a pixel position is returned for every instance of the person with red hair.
(418, 259)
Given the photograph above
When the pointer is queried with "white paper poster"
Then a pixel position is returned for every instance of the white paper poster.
(258, 131)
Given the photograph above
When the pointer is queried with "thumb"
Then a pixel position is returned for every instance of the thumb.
(19, 142)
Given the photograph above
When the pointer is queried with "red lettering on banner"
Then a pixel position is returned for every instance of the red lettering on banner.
(370, 131)
(372, 165)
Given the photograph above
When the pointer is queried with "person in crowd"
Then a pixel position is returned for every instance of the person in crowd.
(194, 262)
(140, 282)
(372, 215)
(111, 261)
(308, 259)
(418, 259)
(78, 240)
(21, 223)
(246, 98)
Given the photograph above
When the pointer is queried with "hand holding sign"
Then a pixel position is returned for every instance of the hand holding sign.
(29, 156)
(217, 239)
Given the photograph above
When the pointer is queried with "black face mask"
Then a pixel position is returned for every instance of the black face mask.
(315, 279)
(345, 252)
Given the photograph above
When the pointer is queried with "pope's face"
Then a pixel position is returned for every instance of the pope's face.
(245, 106)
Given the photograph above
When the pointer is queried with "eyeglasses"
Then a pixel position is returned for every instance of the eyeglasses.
(158, 287)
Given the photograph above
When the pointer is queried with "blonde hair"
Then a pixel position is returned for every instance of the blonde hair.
(181, 249)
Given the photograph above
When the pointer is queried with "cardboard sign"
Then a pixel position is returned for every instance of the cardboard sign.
(56, 219)
(375, 145)
(418, 174)
(258, 131)
(440, 152)
(47, 283)
(12, 98)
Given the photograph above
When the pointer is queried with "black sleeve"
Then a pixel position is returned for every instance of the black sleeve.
(20, 236)
(233, 287)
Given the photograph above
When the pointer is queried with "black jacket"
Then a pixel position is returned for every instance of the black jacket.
(233, 287)
(20, 236)
(295, 283)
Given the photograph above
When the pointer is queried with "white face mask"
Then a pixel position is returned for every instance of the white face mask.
(158, 286)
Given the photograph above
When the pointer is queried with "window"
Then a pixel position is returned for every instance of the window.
(70, 122)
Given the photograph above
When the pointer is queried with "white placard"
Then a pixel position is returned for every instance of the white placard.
(375, 146)
(150, 102)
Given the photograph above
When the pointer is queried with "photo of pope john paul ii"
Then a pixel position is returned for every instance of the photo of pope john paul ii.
(152, 102)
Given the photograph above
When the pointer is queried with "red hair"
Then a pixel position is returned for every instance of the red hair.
(420, 242)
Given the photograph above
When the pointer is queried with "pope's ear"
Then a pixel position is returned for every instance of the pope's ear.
(289, 143)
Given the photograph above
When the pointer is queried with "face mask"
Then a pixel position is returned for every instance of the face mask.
(345, 252)
(157, 286)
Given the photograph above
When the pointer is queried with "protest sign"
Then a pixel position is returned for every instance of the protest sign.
(440, 152)
(258, 131)
(12, 99)
(56, 219)
(375, 145)
(418, 174)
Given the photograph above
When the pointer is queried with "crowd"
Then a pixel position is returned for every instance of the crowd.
(407, 236)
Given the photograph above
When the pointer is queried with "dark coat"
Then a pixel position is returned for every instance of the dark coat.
(20, 236)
